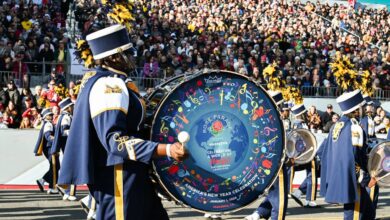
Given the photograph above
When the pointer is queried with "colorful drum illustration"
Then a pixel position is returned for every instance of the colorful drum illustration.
(236, 141)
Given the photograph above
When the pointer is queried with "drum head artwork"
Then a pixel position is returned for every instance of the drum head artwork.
(379, 163)
(236, 141)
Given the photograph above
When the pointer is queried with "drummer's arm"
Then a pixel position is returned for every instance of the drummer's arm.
(108, 109)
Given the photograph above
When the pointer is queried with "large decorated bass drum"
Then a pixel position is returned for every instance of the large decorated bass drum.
(236, 143)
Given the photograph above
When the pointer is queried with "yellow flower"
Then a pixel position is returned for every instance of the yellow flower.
(80, 43)
(26, 25)
(88, 63)
(85, 54)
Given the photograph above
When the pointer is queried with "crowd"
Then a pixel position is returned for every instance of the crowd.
(173, 37)
(321, 121)
(31, 32)
(21, 109)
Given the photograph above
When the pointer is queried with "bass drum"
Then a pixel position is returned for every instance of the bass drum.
(236, 141)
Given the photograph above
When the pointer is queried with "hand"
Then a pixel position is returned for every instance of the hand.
(372, 182)
(178, 152)
(290, 162)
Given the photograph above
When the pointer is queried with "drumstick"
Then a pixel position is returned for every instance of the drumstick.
(183, 137)
(311, 148)
(382, 177)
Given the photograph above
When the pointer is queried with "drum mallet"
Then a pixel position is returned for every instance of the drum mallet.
(382, 177)
(183, 137)
(312, 148)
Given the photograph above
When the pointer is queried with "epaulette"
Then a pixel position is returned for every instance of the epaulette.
(86, 77)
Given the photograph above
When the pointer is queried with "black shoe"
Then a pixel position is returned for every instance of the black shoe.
(61, 191)
(40, 185)
(296, 199)
(84, 206)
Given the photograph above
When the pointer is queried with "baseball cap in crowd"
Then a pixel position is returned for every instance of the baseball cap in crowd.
(329, 106)
(11, 82)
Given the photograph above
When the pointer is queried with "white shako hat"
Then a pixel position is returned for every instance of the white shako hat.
(350, 101)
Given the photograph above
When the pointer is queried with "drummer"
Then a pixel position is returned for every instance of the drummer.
(368, 125)
(343, 162)
(103, 149)
(367, 122)
(274, 206)
(309, 185)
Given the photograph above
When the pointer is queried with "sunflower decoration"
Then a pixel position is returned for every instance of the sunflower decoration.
(344, 73)
(61, 91)
(364, 83)
(293, 94)
(43, 102)
(271, 75)
(119, 11)
(84, 54)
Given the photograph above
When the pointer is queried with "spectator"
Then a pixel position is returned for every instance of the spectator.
(38, 93)
(51, 94)
(26, 123)
(329, 124)
(13, 114)
(58, 78)
(151, 70)
(313, 118)
(20, 70)
(7, 121)
(383, 128)
(46, 55)
(4, 97)
(327, 115)
(13, 93)
(26, 93)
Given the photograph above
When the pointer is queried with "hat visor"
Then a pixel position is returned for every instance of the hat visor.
(111, 52)
(68, 105)
(47, 114)
(300, 113)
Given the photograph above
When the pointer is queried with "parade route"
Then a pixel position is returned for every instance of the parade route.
(35, 205)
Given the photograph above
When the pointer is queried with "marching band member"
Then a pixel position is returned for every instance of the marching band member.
(103, 149)
(43, 145)
(344, 161)
(309, 185)
(367, 121)
(286, 116)
(274, 205)
(60, 137)
(368, 125)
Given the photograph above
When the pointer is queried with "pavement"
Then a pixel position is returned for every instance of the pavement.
(31, 204)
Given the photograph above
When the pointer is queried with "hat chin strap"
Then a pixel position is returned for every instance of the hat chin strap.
(127, 60)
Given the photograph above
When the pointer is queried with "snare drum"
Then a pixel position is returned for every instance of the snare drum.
(236, 141)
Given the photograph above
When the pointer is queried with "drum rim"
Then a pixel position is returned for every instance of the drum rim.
(311, 134)
(162, 85)
(385, 142)
(283, 156)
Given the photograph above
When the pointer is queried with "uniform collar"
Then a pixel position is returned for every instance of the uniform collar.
(114, 70)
